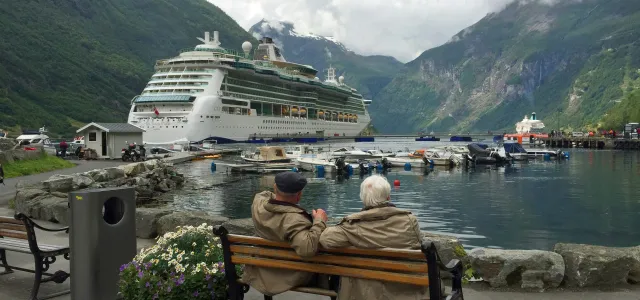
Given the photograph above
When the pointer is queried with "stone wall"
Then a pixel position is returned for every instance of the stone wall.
(7, 144)
(48, 200)
(9, 156)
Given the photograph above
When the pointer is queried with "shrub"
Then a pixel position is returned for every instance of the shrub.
(186, 264)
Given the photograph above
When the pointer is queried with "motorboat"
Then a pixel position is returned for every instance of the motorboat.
(332, 165)
(37, 137)
(403, 153)
(456, 138)
(482, 154)
(428, 138)
(379, 153)
(350, 154)
(414, 159)
(541, 153)
(297, 151)
(267, 154)
(514, 150)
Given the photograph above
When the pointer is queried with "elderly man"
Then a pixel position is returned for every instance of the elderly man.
(277, 217)
(379, 225)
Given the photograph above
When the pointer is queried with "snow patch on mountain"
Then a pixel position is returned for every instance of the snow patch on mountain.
(269, 27)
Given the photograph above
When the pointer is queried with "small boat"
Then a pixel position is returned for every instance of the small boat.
(269, 154)
(379, 153)
(428, 138)
(212, 156)
(481, 154)
(333, 165)
(37, 137)
(350, 154)
(456, 138)
(415, 159)
(515, 151)
(540, 153)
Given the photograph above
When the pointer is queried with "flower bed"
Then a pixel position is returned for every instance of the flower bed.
(184, 264)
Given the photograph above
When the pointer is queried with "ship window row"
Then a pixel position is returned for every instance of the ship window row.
(269, 109)
(266, 99)
(270, 87)
(178, 83)
(181, 76)
(173, 91)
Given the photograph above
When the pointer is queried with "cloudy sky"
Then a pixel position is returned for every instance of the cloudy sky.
(400, 28)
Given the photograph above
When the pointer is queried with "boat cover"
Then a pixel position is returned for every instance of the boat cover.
(514, 148)
(478, 149)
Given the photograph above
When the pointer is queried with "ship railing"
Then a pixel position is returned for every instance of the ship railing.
(266, 99)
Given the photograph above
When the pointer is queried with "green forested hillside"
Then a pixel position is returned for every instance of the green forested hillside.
(570, 63)
(66, 62)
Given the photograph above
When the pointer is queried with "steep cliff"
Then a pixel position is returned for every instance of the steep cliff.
(368, 74)
(570, 63)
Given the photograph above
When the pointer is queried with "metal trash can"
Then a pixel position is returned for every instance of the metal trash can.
(102, 237)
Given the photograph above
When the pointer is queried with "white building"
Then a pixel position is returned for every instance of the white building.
(108, 139)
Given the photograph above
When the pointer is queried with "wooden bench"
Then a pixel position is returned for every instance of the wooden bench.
(18, 235)
(415, 267)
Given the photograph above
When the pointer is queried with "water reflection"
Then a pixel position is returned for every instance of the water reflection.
(593, 198)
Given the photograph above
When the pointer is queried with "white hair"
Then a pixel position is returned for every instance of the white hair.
(374, 191)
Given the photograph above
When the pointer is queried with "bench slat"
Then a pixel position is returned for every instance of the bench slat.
(316, 291)
(391, 253)
(332, 270)
(358, 262)
(14, 227)
(6, 243)
(13, 234)
(11, 221)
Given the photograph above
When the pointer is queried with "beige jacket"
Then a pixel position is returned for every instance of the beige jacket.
(282, 222)
(381, 227)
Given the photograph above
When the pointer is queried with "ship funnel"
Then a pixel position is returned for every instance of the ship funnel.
(215, 36)
(533, 116)
(207, 37)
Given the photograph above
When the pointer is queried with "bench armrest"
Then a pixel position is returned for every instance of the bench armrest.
(23, 217)
(454, 267)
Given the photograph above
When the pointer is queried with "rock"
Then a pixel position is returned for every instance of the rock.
(147, 221)
(59, 183)
(114, 173)
(449, 247)
(240, 226)
(152, 164)
(98, 175)
(60, 195)
(528, 269)
(588, 265)
(41, 208)
(81, 181)
(163, 186)
(133, 169)
(169, 222)
(23, 198)
(142, 181)
(60, 211)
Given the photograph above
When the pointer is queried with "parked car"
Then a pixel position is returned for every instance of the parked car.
(577, 134)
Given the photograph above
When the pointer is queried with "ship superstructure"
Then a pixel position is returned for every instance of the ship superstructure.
(211, 93)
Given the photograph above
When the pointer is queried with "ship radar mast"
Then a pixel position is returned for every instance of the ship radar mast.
(331, 74)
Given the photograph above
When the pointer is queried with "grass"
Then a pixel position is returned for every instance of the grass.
(28, 167)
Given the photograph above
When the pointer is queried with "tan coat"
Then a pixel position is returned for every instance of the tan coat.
(282, 222)
(382, 227)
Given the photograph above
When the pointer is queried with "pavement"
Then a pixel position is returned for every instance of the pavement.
(18, 284)
(8, 191)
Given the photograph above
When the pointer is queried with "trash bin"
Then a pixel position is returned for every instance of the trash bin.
(102, 237)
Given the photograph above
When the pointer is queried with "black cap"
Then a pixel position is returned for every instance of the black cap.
(290, 182)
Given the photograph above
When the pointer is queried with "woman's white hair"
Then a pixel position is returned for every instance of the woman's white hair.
(374, 191)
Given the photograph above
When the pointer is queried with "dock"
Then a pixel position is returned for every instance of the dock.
(591, 143)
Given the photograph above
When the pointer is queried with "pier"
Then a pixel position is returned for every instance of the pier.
(591, 143)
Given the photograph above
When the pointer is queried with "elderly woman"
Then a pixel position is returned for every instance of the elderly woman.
(379, 225)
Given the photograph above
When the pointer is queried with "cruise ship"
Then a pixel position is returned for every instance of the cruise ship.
(212, 94)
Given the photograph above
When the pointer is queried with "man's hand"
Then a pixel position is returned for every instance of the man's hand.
(319, 214)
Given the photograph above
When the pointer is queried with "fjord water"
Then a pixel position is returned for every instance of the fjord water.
(593, 198)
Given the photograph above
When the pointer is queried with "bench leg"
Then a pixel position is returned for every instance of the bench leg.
(3, 260)
(38, 277)
(268, 297)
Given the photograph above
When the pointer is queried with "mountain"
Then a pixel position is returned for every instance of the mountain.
(368, 74)
(67, 62)
(570, 63)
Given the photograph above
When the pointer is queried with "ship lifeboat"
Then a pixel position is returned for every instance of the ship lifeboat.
(285, 110)
(321, 114)
(303, 111)
(340, 116)
(294, 110)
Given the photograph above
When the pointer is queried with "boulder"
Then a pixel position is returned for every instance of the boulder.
(528, 269)
(163, 186)
(59, 183)
(24, 197)
(133, 169)
(41, 208)
(449, 247)
(60, 211)
(147, 221)
(169, 222)
(588, 265)
(60, 195)
(240, 226)
(114, 173)
(80, 181)
(152, 164)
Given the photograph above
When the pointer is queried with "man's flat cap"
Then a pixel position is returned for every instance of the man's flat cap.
(290, 182)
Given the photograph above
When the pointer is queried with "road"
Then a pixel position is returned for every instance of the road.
(8, 191)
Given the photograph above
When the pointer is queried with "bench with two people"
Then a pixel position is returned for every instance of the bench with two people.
(377, 253)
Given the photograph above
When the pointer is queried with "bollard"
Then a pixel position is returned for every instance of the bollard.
(547, 157)
(407, 166)
(102, 238)
(213, 166)
(349, 170)
(320, 171)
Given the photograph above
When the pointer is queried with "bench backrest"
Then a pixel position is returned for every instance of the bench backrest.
(389, 265)
(12, 228)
